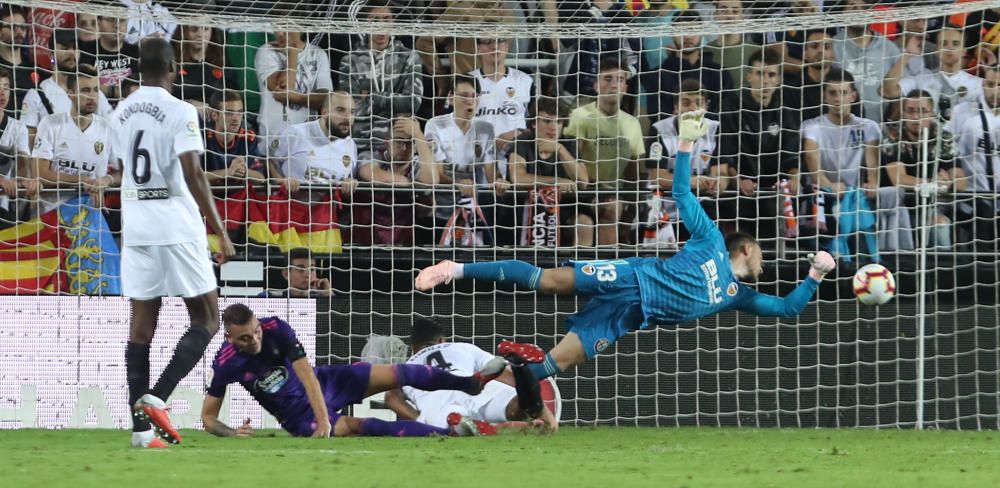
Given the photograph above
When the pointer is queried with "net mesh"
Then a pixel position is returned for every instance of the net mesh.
(544, 131)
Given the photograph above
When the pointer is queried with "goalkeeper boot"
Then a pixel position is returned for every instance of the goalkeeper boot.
(440, 273)
(156, 412)
(524, 352)
(463, 426)
(148, 440)
(493, 369)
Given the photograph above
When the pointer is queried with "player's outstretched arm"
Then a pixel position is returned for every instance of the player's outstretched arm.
(396, 402)
(196, 181)
(793, 303)
(307, 376)
(692, 127)
(210, 419)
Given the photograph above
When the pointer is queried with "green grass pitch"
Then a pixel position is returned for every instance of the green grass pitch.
(575, 458)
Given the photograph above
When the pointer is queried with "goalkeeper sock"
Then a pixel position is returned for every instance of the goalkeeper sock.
(190, 349)
(399, 428)
(429, 378)
(137, 374)
(529, 394)
(510, 271)
(544, 369)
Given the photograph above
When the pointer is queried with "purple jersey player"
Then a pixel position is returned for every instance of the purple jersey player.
(269, 361)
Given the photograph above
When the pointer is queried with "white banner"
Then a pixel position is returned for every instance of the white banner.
(62, 361)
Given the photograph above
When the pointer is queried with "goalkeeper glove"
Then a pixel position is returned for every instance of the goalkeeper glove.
(693, 126)
(821, 264)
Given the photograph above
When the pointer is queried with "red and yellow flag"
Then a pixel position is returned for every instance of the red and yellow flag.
(32, 255)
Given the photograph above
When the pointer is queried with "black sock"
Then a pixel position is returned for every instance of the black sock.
(529, 394)
(137, 373)
(189, 351)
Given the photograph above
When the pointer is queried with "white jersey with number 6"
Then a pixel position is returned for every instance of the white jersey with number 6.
(460, 359)
(152, 128)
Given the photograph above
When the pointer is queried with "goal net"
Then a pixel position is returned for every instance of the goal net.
(351, 143)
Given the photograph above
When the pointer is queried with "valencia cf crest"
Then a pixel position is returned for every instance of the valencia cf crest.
(731, 289)
(346, 160)
(588, 269)
(773, 128)
(706, 157)
(98, 147)
(511, 92)
(962, 91)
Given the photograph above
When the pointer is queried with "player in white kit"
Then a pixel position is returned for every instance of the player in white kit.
(164, 246)
(498, 402)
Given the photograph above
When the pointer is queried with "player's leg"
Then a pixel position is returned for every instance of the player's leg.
(385, 377)
(555, 281)
(354, 426)
(203, 311)
(142, 327)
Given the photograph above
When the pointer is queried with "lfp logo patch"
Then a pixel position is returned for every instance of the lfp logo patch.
(732, 289)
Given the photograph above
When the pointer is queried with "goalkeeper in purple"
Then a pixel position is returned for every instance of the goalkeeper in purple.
(266, 358)
(636, 293)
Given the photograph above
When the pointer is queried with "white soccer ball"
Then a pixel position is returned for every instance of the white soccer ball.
(874, 285)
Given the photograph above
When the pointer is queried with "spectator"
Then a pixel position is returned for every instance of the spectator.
(116, 61)
(927, 61)
(949, 86)
(13, 55)
(322, 152)
(405, 159)
(804, 90)
(231, 150)
(587, 53)
(53, 95)
(145, 19)
(686, 61)
(43, 22)
(710, 174)
(836, 147)
(974, 126)
(87, 33)
(14, 152)
(202, 71)
(732, 50)
(466, 148)
(302, 278)
(610, 143)
(542, 158)
(760, 136)
(902, 156)
(385, 78)
(72, 148)
(506, 93)
(867, 56)
(790, 44)
(294, 79)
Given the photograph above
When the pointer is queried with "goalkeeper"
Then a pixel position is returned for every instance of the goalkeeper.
(635, 293)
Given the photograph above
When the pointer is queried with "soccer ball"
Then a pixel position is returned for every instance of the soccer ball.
(874, 285)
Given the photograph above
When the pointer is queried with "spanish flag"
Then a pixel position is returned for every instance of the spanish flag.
(31, 256)
(289, 223)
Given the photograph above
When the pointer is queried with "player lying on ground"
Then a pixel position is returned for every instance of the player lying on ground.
(635, 293)
(498, 402)
(164, 248)
(262, 354)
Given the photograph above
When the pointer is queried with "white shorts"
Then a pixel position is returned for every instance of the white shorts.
(489, 406)
(171, 270)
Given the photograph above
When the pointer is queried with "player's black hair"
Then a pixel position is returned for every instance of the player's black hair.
(425, 332)
(918, 94)
(299, 253)
(236, 314)
(837, 75)
(613, 62)
(4, 73)
(64, 37)
(222, 96)
(469, 80)
(73, 78)
(366, 10)
(736, 240)
(7, 11)
(766, 57)
(156, 57)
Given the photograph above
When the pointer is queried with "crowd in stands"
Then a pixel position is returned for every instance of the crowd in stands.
(827, 138)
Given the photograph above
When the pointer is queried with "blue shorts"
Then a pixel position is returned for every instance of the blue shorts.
(342, 385)
(615, 308)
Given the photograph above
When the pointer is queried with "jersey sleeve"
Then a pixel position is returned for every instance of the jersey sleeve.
(266, 63)
(773, 306)
(811, 132)
(21, 142)
(480, 357)
(44, 141)
(222, 376)
(187, 133)
(32, 110)
(693, 216)
(289, 343)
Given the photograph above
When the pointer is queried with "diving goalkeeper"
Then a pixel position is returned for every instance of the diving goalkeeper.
(635, 293)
